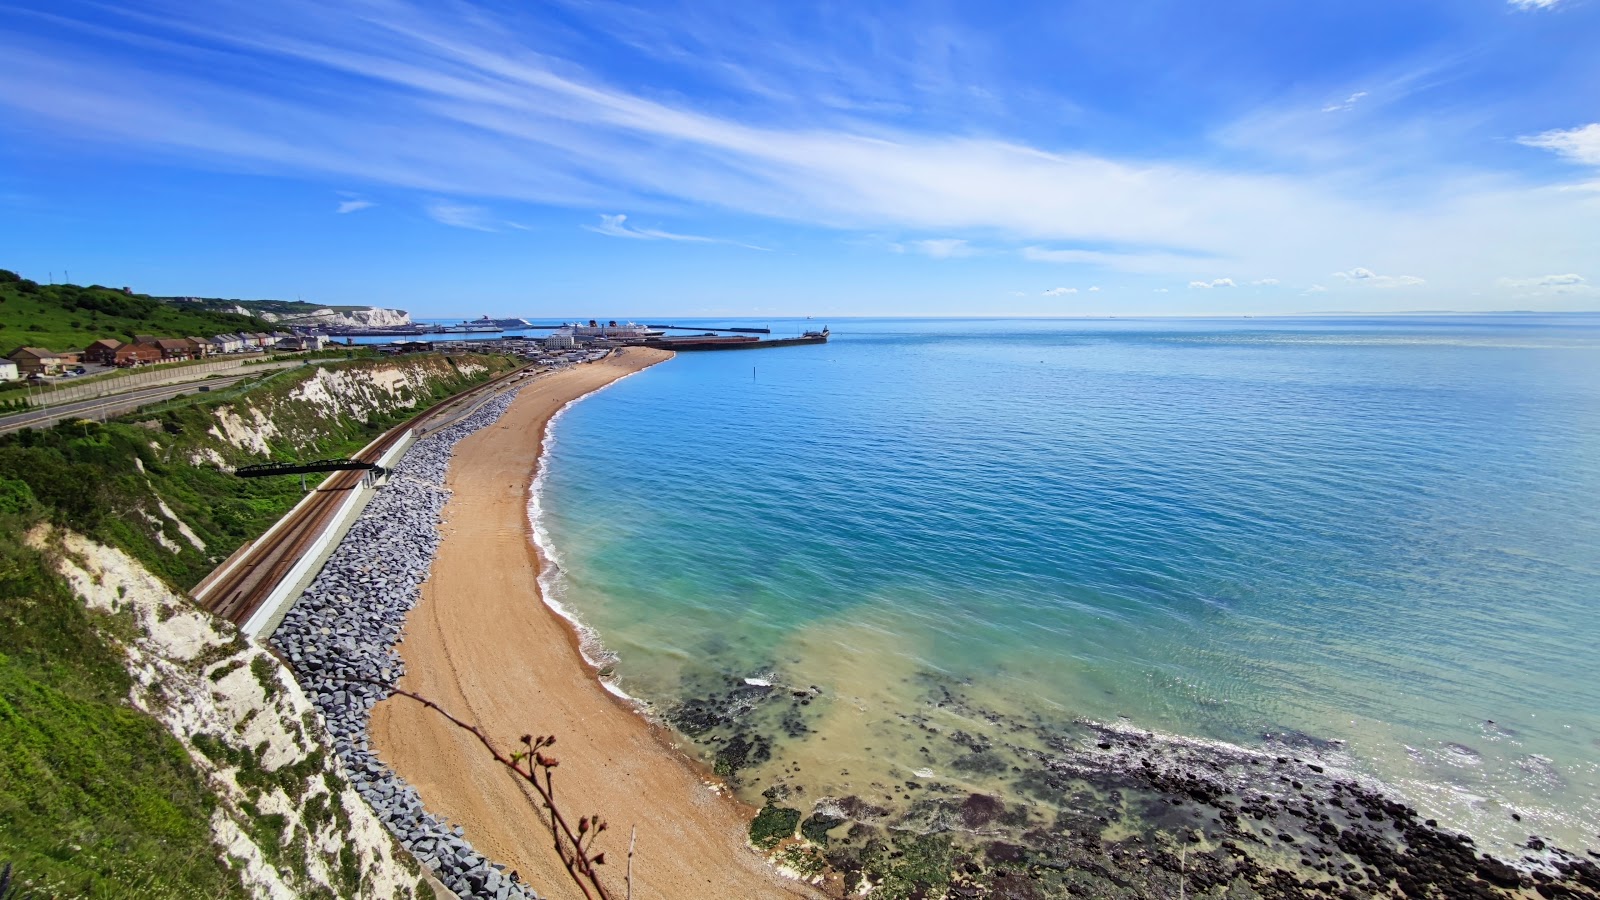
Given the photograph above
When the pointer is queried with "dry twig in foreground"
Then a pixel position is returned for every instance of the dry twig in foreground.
(575, 846)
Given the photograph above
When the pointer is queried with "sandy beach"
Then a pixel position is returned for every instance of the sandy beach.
(485, 647)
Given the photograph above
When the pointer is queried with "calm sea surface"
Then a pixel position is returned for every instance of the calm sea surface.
(1382, 531)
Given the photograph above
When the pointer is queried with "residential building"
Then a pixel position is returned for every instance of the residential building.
(9, 370)
(129, 355)
(37, 361)
(300, 342)
(199, 348)
(226, 343)
(102, 352)
(173, 349)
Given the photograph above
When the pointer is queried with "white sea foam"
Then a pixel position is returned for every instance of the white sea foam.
(552, 580)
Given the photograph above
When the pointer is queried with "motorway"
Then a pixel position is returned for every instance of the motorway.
(117, 404)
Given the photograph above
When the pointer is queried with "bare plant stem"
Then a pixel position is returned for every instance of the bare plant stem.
(575, 851)
(633, 835)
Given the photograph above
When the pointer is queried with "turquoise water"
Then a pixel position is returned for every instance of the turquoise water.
(1381, 531)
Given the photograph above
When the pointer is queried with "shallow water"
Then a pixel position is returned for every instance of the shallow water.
(1376, 531)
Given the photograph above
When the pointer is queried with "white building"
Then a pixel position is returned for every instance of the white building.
(8, 370)
(561, 339)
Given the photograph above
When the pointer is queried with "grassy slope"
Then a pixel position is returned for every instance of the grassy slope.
(96, 798)
(276, 307)
(69, 317)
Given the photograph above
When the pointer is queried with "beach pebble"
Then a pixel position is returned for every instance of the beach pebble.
(345, 627)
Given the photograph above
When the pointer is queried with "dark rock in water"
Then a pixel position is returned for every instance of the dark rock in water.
(816, 828)
(772, 825)
(860, 810)
(983, 763)
(979, 810)
(1498, 873)
(741, 752)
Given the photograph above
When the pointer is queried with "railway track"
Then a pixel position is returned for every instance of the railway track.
(238, 587)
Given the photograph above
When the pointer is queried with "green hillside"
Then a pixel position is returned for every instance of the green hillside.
(97, 800)
(69, 316)
(284, 308)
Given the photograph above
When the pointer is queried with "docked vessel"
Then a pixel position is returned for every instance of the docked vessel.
(485, 325)
(712, 341)
(626, 331)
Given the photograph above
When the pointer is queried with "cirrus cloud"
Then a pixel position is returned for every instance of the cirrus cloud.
(1369, 278)
(1579, 145)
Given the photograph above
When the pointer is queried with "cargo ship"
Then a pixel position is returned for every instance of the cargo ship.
(713, 341)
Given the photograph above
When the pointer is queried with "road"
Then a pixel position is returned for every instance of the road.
(117, 404)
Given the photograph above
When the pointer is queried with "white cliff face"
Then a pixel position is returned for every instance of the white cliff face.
(287, 821)
(370, 317)
(329, 395)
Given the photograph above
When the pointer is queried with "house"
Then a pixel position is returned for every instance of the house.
(300, 342)
(278, 336)
(129, 355)
(261, 340)
(37, 361)
(144, 339)
(174, 349)
(226, 343)
(102, 352)
(199, 348)
(9, 371)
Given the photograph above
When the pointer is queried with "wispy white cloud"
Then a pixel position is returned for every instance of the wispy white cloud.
(1580, 145)
(1264, 282)
(461, 215)
(1369, 278)
(1349, 103)
(1060, 291)
(350, 206)
(937, 248)
(1533, 4)
(943, 248)
(1214, 283)
(1144, 261)
(494, 117)
(617, 226)
(1094, 289)
(1315, 289)
(1569, 283)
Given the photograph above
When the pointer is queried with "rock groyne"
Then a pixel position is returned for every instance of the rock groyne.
(341, 633)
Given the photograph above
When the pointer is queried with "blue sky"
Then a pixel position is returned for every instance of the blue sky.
(610, 158)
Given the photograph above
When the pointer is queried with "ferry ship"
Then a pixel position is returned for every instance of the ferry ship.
(713, 341)
(627, 331)
(485, 325)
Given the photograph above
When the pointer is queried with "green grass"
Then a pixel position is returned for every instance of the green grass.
(97, 799)
(70, 317)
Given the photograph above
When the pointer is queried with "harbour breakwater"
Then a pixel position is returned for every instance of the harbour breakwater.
(340, 635)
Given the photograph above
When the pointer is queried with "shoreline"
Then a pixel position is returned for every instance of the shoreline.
(474, 644)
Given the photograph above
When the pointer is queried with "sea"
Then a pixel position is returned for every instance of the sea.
(1374, 536)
